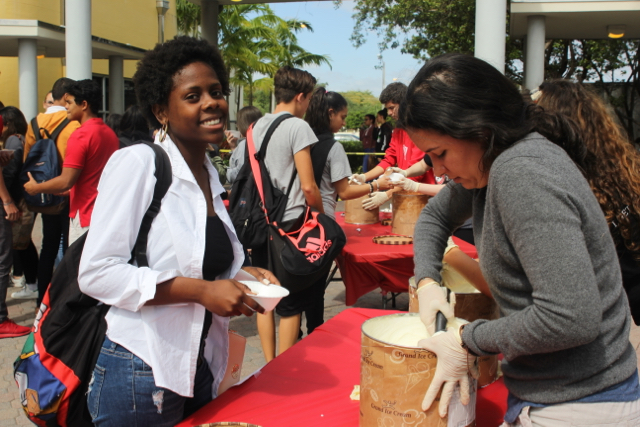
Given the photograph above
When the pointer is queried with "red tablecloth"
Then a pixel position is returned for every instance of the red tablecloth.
(310, 384)
(366, 266)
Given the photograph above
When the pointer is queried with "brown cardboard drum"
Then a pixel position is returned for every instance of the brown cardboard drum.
(354, 213)
(406, 208)
(394, 380)
(469, 306)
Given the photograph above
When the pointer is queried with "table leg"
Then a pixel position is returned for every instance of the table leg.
(392, 298)
(333, 273)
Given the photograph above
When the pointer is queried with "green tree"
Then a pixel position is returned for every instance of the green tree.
(253, 41)
(360, 104)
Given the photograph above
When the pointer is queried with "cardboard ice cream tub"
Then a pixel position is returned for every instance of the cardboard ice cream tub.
(406, 208)
(354, 213)
(394, 378)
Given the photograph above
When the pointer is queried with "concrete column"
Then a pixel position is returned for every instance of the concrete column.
(78, 39)
(209, 21)
(534, 54)
(116, 84)
(28, 79)
(491, 28)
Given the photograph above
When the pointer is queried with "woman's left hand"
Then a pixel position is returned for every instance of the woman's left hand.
(454, 366)
(262, 275)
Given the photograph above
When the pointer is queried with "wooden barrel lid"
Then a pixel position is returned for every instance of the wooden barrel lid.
(393, 239)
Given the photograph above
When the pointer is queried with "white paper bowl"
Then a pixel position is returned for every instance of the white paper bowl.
(396, 177)
(267, 296)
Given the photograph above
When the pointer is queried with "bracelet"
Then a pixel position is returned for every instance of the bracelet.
(377, 185)
(8, 203)
(371, 190)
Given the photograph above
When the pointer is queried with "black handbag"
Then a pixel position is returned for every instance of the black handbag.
(300, 256)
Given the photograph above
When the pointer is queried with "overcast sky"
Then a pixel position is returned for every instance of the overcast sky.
(353, 69)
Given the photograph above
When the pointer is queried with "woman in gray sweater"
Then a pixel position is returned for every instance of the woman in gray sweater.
(544, 248)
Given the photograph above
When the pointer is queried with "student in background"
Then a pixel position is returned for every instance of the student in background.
(88, 150)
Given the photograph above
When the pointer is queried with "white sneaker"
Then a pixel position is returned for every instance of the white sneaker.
(25, 294)
(18, 282)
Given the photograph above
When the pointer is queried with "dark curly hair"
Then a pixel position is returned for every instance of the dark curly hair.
(14, 121)
(318, 112)
(394, 92)
(86, 90)
(611, 163)
(467, 98)
(153, 79)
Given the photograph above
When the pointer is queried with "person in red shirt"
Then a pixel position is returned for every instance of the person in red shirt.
(88, 150)
(402, 152)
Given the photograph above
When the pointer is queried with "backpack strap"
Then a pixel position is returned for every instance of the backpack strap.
(58, 129)
(36, 128)
(254, 158)
(163, 182)
(320, 154)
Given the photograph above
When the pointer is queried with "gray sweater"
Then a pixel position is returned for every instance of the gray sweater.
(547, 254)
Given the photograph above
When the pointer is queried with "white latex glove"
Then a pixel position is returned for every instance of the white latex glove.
(454, 365)
(357, 179)
(375, 200)
(432, 298)
(409, 185)
(394, 169)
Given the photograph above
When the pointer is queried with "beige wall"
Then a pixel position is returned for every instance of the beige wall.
(124, 21)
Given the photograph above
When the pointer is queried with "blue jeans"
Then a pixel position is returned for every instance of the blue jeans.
(123, 392)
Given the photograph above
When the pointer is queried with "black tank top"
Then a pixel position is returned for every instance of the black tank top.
(218, 257)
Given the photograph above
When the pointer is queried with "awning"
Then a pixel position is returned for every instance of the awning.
(577, 19)
(51, 41)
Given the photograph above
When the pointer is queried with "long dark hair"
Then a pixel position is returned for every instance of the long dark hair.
(14, 121)
(318, 112)
(611, 164)
(467, 98)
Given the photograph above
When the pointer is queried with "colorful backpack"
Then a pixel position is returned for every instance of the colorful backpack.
(57, 360)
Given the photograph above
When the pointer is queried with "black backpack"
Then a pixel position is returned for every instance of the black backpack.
(245, 207)
(43, 164)
(59, 356)
(320, 153)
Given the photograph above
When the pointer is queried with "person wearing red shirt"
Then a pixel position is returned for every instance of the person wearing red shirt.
(402, 152)
(88, 150)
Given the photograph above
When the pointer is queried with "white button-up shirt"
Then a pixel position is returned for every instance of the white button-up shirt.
(166, 337)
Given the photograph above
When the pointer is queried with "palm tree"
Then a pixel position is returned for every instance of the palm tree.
(253, 40)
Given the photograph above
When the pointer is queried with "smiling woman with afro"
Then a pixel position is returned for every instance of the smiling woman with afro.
(166, 348)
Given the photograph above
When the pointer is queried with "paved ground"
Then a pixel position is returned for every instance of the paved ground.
(23, 312)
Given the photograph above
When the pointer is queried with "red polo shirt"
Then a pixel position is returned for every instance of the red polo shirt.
(403, 153)
(89, 149)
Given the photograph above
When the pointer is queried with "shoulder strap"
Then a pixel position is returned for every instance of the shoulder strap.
(163, 182)
(36, 128)
(320, 154)
(270, 131)
(58, 129)
(254, 158)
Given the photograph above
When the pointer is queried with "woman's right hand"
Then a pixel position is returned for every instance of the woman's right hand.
(228, 298)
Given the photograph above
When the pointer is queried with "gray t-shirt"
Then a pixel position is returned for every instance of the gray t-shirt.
(547, 254)
(291, 136)
(236, 161)
(336, 168)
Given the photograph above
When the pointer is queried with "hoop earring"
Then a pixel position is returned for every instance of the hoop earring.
(163, 131)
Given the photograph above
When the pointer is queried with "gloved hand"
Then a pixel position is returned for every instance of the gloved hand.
(394, 169)
(357, 179)
(409, 185)
(432, 298)
(453, 366)
(375, 200)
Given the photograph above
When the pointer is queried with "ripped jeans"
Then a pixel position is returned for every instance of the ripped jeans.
(123, 393)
